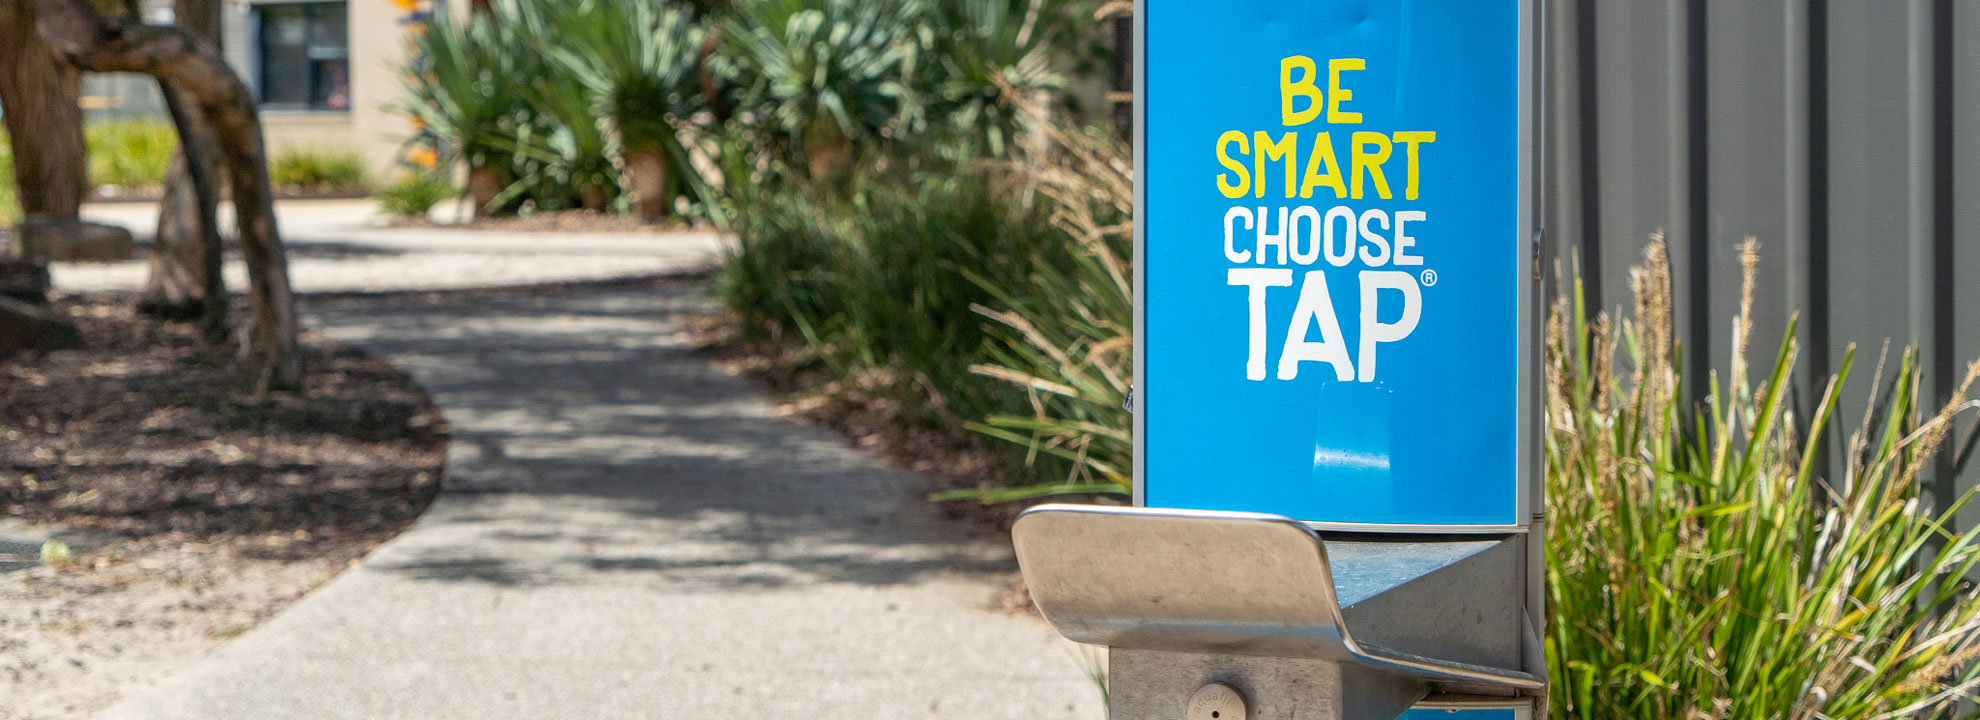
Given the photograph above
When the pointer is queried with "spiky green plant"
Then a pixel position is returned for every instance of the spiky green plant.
(827, 77)
(563, 152)
(464, 85)
(636, 60)
(1698, 564)
(979, 53)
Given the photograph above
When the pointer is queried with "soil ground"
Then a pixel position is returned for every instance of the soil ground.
(193, 508)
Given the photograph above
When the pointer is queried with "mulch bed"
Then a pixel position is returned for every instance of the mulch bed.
(195, 508)
(149, 434)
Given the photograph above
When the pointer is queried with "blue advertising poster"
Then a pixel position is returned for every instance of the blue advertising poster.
(1333, 259)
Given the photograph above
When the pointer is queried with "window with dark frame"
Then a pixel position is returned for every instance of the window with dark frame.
(303, 55)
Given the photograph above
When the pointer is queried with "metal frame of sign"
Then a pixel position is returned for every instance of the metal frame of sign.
(1519, 708)
(1530, 500)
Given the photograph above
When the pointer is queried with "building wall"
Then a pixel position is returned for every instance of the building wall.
(378, 50)
(121, 96)
(1834, 131)
(311, 130)
(378, 47)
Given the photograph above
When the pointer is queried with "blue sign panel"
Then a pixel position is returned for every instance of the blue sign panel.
(1333, 259)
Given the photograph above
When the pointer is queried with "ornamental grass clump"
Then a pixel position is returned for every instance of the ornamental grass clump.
(1066, 335)
(1700, 565)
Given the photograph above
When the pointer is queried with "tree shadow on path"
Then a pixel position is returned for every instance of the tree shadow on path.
(592, 443)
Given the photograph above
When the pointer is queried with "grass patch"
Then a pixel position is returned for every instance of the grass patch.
(313, 170)
(130, 154)
(414, 195)
(136, 155)
(10, 205)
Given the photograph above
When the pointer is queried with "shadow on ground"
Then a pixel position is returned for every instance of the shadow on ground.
(591, 444)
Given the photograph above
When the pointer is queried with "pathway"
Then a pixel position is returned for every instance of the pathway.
(627, 532)
(345, 246)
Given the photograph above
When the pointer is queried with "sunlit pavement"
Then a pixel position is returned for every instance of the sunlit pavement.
(346, 246)
(628, 532)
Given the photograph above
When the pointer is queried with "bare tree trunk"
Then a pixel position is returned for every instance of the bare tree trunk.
(647, 183)
(484, 184)
(38, 95)
(185, 280)
(84, 39)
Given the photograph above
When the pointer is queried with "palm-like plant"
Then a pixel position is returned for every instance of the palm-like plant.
(828, 76)
(984, 52)
(464, 87)
(564, 150)
(636, 61)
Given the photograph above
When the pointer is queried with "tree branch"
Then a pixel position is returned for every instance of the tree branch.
(81, 37)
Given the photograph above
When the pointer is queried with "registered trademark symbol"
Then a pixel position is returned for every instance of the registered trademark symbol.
(1429, 278)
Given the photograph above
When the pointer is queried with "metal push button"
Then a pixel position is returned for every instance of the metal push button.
(1216, 701)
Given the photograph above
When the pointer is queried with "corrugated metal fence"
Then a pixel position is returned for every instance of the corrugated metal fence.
(1843, 134)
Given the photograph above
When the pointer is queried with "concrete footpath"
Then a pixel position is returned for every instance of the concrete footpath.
(346, 246)
(627, 532)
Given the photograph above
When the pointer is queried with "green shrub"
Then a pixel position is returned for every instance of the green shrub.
(312, 170)
(824, 79)
(984, 60)
(131, 154)
(415, 195)
(882, 285)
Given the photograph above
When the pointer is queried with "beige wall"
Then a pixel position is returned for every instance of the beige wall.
(377, 50)
(290, 130)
